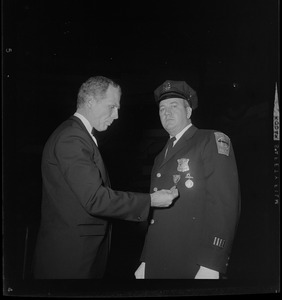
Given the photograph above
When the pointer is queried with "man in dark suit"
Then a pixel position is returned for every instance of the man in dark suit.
(77, 201)
(192, 238)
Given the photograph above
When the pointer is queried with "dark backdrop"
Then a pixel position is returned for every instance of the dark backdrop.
(226, 50)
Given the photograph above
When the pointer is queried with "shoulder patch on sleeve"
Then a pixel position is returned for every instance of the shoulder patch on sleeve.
(222, 142)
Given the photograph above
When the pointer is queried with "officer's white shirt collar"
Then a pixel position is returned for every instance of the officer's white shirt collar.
(179, 135)
(87, 125)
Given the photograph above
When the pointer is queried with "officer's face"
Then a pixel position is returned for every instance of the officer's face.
(174, 115)
(105, 111)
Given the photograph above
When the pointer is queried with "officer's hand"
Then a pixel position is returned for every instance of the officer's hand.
(163, 198)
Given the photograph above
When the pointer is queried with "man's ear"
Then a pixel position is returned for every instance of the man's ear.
(90, 102)
(188, 112)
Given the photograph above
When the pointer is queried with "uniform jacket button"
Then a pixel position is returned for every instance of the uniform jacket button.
(159, 174)
(152, 221)
(155, 189)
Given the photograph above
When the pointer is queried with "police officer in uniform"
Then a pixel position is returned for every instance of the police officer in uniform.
(193, 238)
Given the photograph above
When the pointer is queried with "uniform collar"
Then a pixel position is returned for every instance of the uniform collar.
(179, 135)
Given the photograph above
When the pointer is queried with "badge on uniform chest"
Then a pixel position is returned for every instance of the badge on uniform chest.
(183, 167)
(176, 178)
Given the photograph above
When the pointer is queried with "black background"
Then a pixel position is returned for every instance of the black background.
(226, 50)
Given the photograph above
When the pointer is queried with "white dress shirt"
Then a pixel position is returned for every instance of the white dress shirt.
(179, 135)
(87, 125)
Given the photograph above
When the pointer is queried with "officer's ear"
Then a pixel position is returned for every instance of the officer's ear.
(188, 111)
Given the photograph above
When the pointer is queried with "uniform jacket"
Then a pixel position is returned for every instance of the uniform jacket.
(77, 202)
(198, 229)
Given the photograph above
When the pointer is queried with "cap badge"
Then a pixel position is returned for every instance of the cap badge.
(166, 86)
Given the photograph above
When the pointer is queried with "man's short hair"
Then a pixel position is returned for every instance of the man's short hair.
(94, 87)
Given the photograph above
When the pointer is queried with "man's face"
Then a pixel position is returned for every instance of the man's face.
(105, 111)
(174, 115)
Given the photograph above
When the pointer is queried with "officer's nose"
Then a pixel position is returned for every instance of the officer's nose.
(168, 112)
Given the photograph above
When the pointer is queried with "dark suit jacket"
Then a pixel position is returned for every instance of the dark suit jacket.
(198, 230)
(77, 202)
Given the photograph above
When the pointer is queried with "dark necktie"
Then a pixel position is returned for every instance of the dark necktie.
(169, 145)
(93, 131)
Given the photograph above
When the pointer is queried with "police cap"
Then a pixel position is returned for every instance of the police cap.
(176, 89)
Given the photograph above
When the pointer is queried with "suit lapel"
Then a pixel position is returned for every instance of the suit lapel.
(79, 122)
(97, 157)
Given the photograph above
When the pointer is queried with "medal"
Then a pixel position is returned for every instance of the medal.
(189, 183)
(176, 178)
